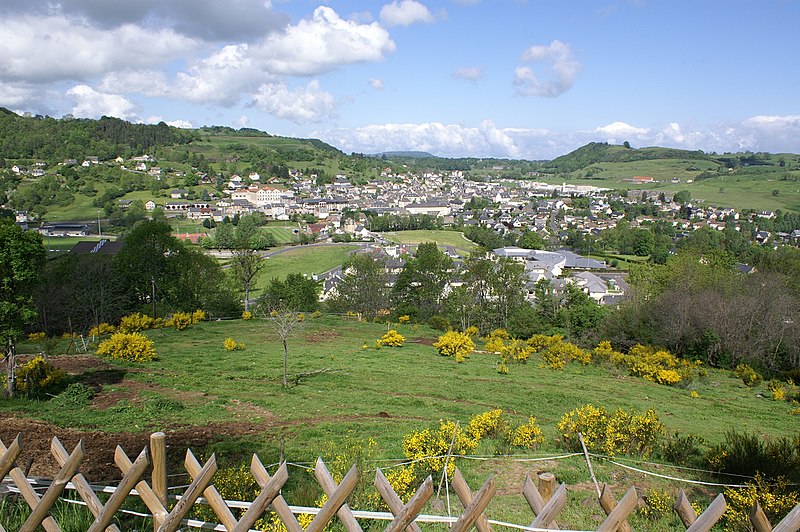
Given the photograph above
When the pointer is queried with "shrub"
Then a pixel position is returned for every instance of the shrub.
(515, 351)
(37, 377)
(179, 320)
(748, 375)
(527, 436)
(471, 331)
(76, 395)
(495, 340)
(658, 504)
(247, 315)
(558, 353)
(747, 454)
(440, 323)
(623, 432)
(540, 342)
(490, 423)
(455, 344)
(429, 447)
(405, 318)
(683, 450)
(131, 347)
(102, 330)
(198, 316)
(37, 336)
(232, 345)
(392, 338)
(774, 495)
(136, 322)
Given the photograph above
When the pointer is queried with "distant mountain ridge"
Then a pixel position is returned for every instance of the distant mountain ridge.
(411, 154)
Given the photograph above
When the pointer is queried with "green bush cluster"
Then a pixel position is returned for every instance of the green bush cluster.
(38, 377)
(130, 347)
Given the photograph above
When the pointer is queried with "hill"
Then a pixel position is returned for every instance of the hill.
(597, 152)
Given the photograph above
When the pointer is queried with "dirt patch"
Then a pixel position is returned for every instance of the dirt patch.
(423, 341)
(327, 335)
(246, 410)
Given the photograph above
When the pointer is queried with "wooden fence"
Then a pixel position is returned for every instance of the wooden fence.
(546, 500)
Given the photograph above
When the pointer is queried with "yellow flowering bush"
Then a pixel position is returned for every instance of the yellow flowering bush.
(392, 338)
(405, 318)
(37, 336)
(623, 432)
(198, 316)
(179, 320)
(36, 377)
(403, 481)
(527, 436)
(489, 423)
(774, 495)
(471, 331)
(131, 347)
(232, 345)
(495, 340)
(455, 344)
(515, 351)
(137, 322)
(102, 330)
(247, 315)
(748, 375)
(659, 504)
(430, 447)
(540, 342)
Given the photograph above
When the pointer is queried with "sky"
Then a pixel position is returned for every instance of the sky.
(528, 79)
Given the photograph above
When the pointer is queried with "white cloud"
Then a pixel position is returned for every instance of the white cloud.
(563, 68)
(473, 73)
(376, 83)
(405, 13)
(183, 124)
(89, 103)
(44, 49)
(242, 121)
(447, 140)
(310, 104)
(322, 44)
(147, 82)
(619, 132)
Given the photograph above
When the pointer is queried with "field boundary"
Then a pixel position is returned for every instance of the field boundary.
(546, 498)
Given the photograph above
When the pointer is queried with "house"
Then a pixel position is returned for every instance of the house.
(65, 229)
(150, 205)
(179, 193)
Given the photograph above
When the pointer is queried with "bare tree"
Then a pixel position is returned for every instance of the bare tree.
(284, 322)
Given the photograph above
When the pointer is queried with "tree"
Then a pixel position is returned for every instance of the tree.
(297, 292)
(144, 259)
(22, 257)
(245, 265)
(682, 197)
(419, 289)
(531, 240)
(284, 322)
(363, 286)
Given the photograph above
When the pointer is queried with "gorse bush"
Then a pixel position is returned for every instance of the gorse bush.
(620, 432)
(558, 353)
(392, 338)
(748, 375)
(649, 363)
(528, 436)
(683, 450)
(102, 330)
(179, 320)
(455, 344)
(774, 495)
(137, 322)
(130, 347)
(232, 345)
(37, 377)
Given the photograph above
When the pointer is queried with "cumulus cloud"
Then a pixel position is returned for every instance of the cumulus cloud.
(322, 44)
(56, 48)
(376, 83)
(561, 63)
(472, 73)
(309, 104)
(619, 132)
(405, 13)
(90, 103)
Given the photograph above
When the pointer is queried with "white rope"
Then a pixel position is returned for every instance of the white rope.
(677, 479)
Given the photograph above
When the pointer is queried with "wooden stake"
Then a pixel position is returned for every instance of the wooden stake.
(589, 463)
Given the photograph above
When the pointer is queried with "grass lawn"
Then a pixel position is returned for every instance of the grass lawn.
(308, 260)
(361, 392)
(455, 239)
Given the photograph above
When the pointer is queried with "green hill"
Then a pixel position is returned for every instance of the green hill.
(597, 152)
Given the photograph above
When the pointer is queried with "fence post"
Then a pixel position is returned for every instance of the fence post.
(684, 509)
(789, 523)
(474, 509)
(547, 485)
(759, 519)
(158, 453)
(710, 517)
(608, 504)
(620, 512)
(465, 495)
(391, 499)
(329, 487)
(551, 509)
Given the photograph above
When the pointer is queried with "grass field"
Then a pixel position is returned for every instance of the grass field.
(442, 238)
(308, 260)
(385, 394)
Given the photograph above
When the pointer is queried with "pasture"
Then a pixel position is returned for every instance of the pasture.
(454, 239)
(344, 391)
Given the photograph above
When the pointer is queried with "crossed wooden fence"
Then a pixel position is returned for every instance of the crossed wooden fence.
(546, 500)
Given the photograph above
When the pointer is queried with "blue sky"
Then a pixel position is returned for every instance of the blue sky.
(502, 78)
